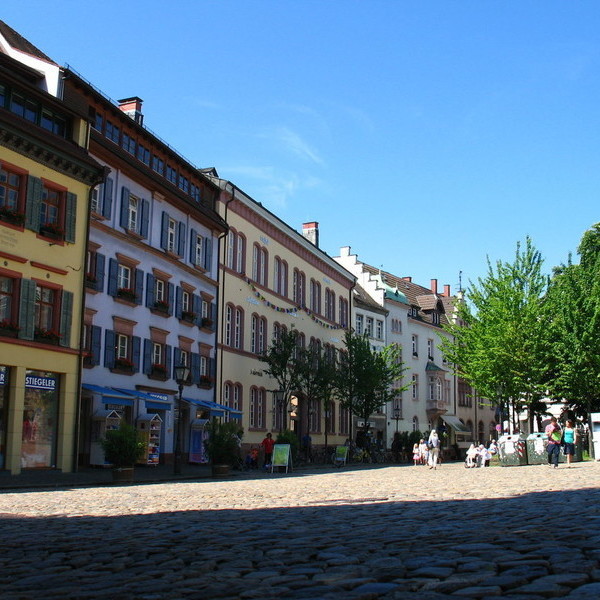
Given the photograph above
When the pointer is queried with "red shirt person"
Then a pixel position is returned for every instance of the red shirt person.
(267, 445)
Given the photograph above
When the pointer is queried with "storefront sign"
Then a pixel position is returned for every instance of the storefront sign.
(40, 383)
(281, 456)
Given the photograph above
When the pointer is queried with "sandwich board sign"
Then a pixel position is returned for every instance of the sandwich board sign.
(281, 457)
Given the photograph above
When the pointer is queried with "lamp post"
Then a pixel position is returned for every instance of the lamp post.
(397, 416)
(182, 373)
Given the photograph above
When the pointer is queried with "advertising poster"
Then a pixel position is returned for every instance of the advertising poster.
(281, 456)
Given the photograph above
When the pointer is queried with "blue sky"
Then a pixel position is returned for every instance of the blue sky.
(426, 135)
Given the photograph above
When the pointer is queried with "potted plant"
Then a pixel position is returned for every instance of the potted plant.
(222, 446)
(127, 294)
(122, 449)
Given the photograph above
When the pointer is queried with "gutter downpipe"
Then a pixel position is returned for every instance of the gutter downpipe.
(351, 414)
(96, 182)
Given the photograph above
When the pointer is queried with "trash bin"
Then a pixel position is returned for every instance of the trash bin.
(512, 450)
(536, 449)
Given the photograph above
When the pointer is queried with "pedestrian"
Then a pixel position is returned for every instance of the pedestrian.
(484, 456)
(433, 445)
(569, 441)
(267, 445)
(554, 433)
(397, 447)
(423, 452)
(307, 447)
(416, 455)
(471, 460)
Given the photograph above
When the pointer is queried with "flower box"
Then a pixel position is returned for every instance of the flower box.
(52, 230)
(9, 329)
(161, 305)
(47, 336)
(123, 364)
(127, 294)
(12, 216)
(188, 315)
(206, 381)
(159, 371)
(206, 322)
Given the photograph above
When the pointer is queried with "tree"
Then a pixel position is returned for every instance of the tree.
(498, 335)
(573, 314)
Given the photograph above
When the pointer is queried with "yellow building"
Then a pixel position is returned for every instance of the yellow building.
(274, 278)
(45, 181)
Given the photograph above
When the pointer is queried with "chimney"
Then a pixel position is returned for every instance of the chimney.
(132, 107)
(409, 279)
(446, 291)
(434, 286)
(311, 232)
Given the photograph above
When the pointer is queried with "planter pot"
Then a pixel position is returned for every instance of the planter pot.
(220, 470)
(124, 474)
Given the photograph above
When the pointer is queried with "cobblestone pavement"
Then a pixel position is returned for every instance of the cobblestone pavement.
(397, 532)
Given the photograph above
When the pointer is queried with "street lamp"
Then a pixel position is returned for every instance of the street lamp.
(182, 372)
(397, 416)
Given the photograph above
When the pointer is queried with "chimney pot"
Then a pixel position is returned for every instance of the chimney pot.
(446, 290)
(132, 107)
(434, 286)
(310, 231)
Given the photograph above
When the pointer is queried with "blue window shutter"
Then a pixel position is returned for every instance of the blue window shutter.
(27, 309)
(150, 290)
(197, 304)
(181, 239)
(70, 217)
(176, 360)
(139, 285)
(136, 344)
(145, 219)
(96, 341)
(208, 245)
(100, 263)
(164, 227)
(168, 356)
(66, 315)
(147, 356)
(113, 269)
(171, 296)
(195, 367)
(212, 367)
(33, 203)
(109, 349)
(124, 219)
(193, 235)
(178, 302)
(107, 198)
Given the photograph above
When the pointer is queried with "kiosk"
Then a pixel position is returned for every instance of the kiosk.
(103, 420)
(149, 428)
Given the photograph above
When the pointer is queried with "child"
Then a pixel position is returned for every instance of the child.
(416, 455)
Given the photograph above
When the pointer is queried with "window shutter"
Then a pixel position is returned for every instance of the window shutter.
(193, 235)
(139, 285)
(168, 354)
(150, 290)
(164, 238)
(208, 245)
(107, 198)
(145, 218)
(27, 309)
(95, 344)
(113, 268)
(66, 315)
(33, 203)
(212, 367)
(100, 263)
(178, 302)
(147, 356)
(195, 367)
(197, 304)
(171, 296)
(136, 344)
(176, 360)
(181, 239)
(124, 220)
(109, 349)
(70, 217)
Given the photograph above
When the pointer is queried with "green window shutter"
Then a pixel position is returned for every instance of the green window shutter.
(66, 316)
(70, 217)
(27, 309)
(33, 203)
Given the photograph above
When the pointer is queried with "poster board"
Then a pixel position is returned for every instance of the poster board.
(281, 457)
(341, 455)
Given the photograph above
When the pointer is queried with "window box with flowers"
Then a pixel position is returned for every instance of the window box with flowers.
(124, 365)
(189, 316)
(90, 280)
(161, 306)
(88, 359)
(206, 381)
(9, 329)
(158, 371)
(207, 323)
(47, 336)
(127, 294)
(9, 215)
(52, 230)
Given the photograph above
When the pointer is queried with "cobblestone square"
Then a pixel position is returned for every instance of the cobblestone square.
(395, 532)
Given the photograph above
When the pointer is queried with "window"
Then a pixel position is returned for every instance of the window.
(186, 302)
(280, 275)
(435, 317)
(299, 287)
(133, 213)
(158, 356)
(359, 324)
(415, 387)
(45, 308)
(230, 251)
(315, 296)
(184, 184)
(158, 165)
(97, 120)
(171, 235)
(430, 349)
(329, 304)
(259, 264)
(124, 277)
(343, 421)
(53, 122)
(7, 301)
(143, 154)
(258, 335)
(369, 326)
(23, 107)
(234, 321)
(343, 312)
(415, 345)
(112, 132)
(396, 326)
(195, 192)
(257, 408)
(171, 175)
(11, 196)
(415, 424)
(198, 249)
(379, 329)
(128, 144)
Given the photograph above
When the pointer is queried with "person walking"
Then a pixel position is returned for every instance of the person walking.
(416, 455)
(554, 433)
(569, 439)
(267, 445)
(433, 445)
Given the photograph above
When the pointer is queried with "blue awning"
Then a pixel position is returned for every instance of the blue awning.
(216, 410)
(235, 414)
(151, 401)
(111, 395)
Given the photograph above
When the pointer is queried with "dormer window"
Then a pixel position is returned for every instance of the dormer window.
(435, 317)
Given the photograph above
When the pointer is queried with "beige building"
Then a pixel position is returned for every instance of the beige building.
(274, 278)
